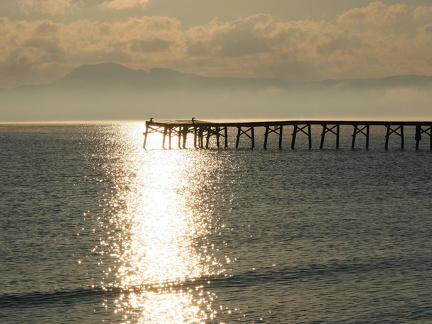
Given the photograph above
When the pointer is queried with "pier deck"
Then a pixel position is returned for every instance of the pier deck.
(203, 130)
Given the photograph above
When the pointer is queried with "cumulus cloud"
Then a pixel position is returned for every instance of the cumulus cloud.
(123, 4)
(376, 13)
(48, 7)
(422, 12)
(424, 34)
(151, 45)
(232, 39)
(293, 50)
(360, 42)
(42, 48)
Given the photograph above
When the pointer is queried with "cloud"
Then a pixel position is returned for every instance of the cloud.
(253, 46)
(376, 13)
(428, 30)
(44, 48)
(151, 45)
(294, 50)
(123, 4)
(422, 12)
(48, 7)
(424, 35)
(233, 39)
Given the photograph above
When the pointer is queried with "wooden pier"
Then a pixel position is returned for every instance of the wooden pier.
(203, 131)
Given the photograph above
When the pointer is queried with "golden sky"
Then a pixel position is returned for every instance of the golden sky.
(42, 40)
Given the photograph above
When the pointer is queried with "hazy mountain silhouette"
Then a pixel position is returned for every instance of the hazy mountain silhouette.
(113, 91)
(109, 75)
(103, 74)
(116, 75)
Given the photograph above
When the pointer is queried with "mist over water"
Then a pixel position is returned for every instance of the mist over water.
(95, 228)
(112, 104)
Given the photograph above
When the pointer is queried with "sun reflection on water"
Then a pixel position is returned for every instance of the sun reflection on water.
(159, 233)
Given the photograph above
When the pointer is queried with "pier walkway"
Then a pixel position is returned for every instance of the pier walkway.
(203, 131)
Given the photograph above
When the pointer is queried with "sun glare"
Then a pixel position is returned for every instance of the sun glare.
(159, 240)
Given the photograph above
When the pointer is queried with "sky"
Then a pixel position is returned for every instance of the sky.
(42, 40)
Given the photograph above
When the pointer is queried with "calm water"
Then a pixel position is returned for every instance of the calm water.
(95, 229)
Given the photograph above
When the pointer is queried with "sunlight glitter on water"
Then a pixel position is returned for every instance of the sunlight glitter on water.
(158, 233)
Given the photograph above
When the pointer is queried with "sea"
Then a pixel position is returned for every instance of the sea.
(95, 229)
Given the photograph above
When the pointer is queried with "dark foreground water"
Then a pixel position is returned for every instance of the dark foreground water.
(93, 228)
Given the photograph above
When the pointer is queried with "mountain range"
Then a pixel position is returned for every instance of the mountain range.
(111, 91)
(113, 75)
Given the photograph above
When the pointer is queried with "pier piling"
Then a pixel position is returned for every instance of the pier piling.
(278, 130)
(399, 130)
(361, 129)
(335, 129)
(248, 132)
(419, 131)
(301, 129)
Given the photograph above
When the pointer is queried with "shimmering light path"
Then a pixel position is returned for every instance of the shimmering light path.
(158, 233)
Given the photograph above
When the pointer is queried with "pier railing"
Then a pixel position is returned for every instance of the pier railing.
(203, 131)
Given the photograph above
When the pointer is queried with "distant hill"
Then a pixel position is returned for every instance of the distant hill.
(113, 91)
(103, 74)
(116, 75)
(112, 75)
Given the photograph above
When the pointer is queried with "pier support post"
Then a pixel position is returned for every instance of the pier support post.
(164, 136)
(399, 130)
(266, 136)
(280, 136)
(208, 129)
(331, 130)
(301, 129)
(430, 136)
(216, 131)
(246, 132)
(210, 132)
(201, 137)
(429, 132)
(238, 136)
(365, 130)
(184, 135)
(179, 132)
(150, 128)
(277, 130)
(169, 137)
(294, 136)
(217, 135)
(145, 136)
(226, 136)
(195, 131)
(253, 136)
(309, 127)
(323, 136)
(337, 136)
(418, 135)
